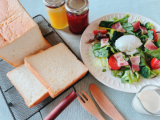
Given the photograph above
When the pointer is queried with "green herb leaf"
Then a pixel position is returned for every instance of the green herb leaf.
(104, 70)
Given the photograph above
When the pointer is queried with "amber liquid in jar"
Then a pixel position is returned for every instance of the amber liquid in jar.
(77, 23)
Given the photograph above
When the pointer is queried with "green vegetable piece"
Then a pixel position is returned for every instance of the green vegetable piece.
(154, 73)
(96, 46)
(106, 24)
(114, 35)
(150, 34)
(113, 19)
(153, 53)
(149, 26)
(117, 73)
(142, 62)
(101, 62)
(158, 43)
(122, 20)
(101, 52)
(104, 70)
(140, 52)
(128, 27)
(129, 77)
(145, 72)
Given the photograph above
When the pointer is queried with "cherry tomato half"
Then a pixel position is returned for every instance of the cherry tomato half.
(155, 63)
(113, 63)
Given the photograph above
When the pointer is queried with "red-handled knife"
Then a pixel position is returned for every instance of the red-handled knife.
(61, 106)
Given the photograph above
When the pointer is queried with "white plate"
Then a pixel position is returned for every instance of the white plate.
(105, 77)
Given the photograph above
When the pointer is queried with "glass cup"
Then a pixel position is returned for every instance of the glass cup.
(147, 100)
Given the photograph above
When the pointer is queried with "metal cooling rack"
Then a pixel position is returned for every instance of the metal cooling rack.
(14, 101)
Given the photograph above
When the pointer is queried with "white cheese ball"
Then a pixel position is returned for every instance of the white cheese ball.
(128, 44)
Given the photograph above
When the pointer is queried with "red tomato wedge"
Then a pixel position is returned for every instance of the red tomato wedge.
(113, 63)
(155, 35)
(101, 31)
(155, 63)
(95, 32)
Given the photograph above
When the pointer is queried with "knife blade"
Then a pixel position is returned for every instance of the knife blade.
(104, 103)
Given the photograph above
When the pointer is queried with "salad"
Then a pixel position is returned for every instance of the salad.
(129, 50)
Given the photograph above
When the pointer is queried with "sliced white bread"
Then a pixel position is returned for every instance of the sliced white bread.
(20, 35)
(28, 86)
(56, 68)
(28, 44)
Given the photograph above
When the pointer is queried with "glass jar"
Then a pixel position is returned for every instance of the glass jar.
(77, 15)
(57, 13)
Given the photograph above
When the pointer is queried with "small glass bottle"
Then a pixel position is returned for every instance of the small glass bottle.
(57, 13)
(77, 15)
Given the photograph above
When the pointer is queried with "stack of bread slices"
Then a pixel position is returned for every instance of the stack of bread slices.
(41, 70)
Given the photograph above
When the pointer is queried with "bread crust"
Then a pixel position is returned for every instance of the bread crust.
(8, 62)
(51, 92)
(33, 104)
(35, 73)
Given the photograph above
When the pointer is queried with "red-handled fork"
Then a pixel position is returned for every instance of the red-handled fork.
(89, 105)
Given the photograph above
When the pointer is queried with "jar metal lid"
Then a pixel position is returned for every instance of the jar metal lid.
(77, 6)
(54, 3)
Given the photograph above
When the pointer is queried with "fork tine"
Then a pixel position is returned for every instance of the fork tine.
(82, 92)
(81, 96)
(85, 94)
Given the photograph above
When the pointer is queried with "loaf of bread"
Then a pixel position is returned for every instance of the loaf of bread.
(28, 86)
(56, 68)
(20, 36)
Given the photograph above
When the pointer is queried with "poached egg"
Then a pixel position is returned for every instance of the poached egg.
(128, 44)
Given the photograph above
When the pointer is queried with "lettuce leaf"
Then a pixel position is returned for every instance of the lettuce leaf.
(117, 73)
(154, 73)
(150, 34)
(129, 77)
(101, 53)
(101, 62)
